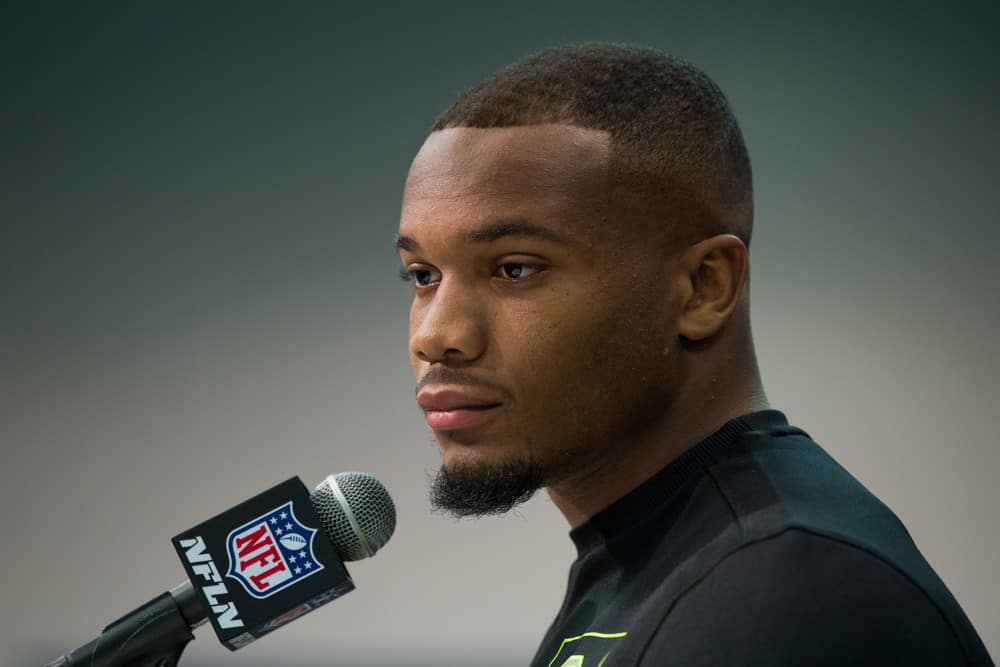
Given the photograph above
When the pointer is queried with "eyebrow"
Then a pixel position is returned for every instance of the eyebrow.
(406, 243)
(492, 232)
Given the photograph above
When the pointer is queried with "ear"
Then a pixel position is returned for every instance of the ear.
(713, 273)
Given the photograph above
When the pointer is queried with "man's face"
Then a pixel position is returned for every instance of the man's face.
(539, 329)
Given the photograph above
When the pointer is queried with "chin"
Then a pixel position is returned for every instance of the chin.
(460, 456)
(478, 455)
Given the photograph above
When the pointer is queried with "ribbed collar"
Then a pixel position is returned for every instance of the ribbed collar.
(635, 505)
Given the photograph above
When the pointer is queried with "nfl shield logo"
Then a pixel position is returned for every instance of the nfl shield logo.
(272, 552)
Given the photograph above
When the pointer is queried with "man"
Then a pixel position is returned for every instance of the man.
(576, 230)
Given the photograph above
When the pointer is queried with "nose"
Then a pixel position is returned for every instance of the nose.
(448, 326)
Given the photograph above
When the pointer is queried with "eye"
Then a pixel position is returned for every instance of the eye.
(420, 277)
(517, 270)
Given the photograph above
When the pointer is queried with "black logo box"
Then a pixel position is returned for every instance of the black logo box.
(260, 616)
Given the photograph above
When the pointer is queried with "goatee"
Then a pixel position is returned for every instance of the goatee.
(481, 490)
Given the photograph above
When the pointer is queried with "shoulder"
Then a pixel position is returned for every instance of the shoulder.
(802, 597)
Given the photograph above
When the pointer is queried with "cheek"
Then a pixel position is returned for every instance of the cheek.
(595, 359)
(414, 322)
(563, 350)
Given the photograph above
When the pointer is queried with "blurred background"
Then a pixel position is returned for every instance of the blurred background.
(199, 293)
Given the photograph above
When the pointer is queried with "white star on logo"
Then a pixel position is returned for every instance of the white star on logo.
(288, 526)
(283, 515)
(273, 521)
(308, 565)
(279, 531)
(298, 570)
(302, 554)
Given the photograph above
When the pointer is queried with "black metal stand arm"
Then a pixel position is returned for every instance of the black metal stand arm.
(154, 635)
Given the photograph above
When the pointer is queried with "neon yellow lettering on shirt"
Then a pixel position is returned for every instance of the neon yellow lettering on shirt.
(569, 661)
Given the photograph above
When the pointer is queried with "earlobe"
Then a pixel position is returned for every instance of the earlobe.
(714, 272)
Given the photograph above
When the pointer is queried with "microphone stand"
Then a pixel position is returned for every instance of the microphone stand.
(154, 635)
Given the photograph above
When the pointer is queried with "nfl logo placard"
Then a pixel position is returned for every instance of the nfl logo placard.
(271, 552)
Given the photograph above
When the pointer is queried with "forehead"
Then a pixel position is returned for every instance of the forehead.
(550, 174)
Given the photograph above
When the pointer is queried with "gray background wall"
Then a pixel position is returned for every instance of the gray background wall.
(199, 297)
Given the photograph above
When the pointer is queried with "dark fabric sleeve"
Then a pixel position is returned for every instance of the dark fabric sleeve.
(803, 599)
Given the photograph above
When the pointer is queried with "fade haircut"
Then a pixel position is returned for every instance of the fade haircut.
(674, 139)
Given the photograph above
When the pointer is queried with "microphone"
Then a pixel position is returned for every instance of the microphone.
(282, 552)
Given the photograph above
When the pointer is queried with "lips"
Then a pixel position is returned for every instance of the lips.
(450, 407)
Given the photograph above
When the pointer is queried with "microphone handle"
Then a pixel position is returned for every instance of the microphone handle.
(153, 635)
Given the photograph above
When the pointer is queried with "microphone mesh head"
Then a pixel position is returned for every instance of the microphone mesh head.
(368, 503)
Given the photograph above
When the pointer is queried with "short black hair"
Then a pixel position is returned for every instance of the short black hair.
(671, 129)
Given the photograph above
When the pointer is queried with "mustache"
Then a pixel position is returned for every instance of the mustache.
(446, 375)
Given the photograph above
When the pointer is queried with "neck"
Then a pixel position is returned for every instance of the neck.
(692, 417)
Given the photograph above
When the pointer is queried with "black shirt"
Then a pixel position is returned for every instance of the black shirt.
(754, 548)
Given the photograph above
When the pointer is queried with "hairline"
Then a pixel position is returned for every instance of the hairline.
(626, 172)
